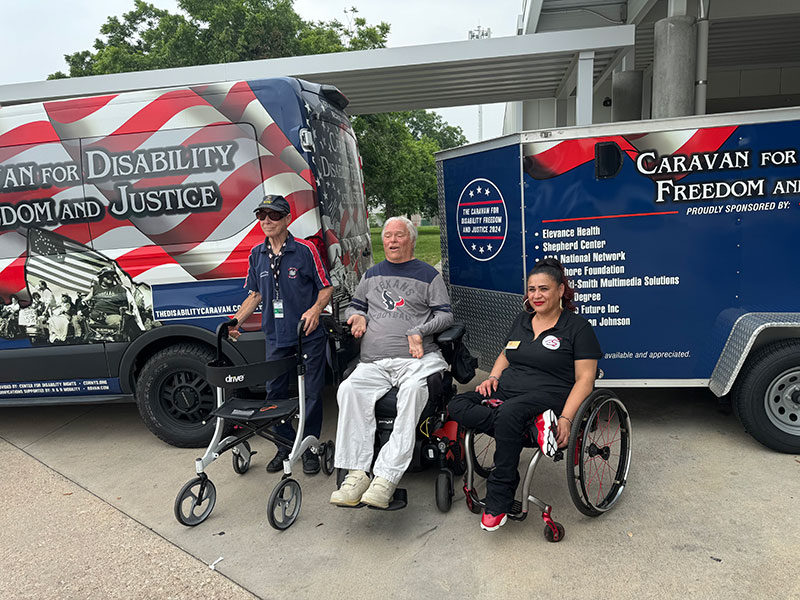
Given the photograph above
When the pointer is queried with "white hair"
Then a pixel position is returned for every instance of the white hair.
(412, 231)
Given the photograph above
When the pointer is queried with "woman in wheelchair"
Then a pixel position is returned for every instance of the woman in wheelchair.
(548, 367)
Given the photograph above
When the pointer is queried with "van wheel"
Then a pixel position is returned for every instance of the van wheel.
(767, 396)
(174, 398)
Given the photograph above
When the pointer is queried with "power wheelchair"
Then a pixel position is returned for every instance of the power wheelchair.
(597, 462)
(439, 442)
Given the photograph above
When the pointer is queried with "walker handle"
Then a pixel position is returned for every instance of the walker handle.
(300, 327)
(222, 332)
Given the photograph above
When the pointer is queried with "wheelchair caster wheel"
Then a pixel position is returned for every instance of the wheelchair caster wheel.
(284, 504)
(195, 501)
(240, 463)
(327, 458)
(444, 491)
(551, 536)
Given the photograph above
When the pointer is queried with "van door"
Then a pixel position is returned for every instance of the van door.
(46, 266)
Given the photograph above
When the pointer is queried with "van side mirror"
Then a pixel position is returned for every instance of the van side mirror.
(607, 160)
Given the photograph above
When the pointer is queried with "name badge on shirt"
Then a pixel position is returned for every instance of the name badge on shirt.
(277, 309)
(512, 345)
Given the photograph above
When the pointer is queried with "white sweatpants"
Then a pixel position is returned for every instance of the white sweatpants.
(357, 396)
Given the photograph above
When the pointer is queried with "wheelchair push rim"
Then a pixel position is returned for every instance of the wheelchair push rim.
(599, 452)
(482, 454)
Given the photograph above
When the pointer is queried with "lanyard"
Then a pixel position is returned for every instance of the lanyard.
(275, 265)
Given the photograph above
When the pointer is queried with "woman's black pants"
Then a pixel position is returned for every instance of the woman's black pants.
(507, 424)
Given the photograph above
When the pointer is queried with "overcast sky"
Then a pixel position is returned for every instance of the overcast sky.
(35, 34)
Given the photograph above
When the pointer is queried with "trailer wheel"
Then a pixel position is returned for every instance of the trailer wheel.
(174, 398)
(767, 396)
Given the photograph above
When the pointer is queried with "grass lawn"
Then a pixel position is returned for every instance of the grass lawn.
(428, 247)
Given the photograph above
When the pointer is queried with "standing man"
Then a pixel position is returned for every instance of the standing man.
(397, 308)
(287, 276)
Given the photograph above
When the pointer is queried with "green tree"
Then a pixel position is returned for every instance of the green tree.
(216, 31)
(397, 148)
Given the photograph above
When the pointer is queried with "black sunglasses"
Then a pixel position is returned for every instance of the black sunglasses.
(273, 216)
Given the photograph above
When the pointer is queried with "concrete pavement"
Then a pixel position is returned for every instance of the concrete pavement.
(708, 512)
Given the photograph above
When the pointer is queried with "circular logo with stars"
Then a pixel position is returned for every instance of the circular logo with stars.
(481, 219)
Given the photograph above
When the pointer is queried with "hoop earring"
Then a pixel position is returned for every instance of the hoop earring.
(561, 303)
(527, 307)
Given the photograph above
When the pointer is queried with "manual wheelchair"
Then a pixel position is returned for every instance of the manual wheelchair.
(197, 497)
(597, 460)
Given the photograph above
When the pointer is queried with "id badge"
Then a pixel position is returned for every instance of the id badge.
(277, 309)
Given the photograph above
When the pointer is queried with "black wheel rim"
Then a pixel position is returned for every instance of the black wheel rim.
(186, 398)
(284, 504)
(604, 454)
(195, 501)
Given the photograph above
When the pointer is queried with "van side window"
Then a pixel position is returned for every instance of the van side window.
(607, 160)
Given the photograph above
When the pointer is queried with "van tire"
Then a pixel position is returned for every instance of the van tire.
(767, 396)
(174, 398)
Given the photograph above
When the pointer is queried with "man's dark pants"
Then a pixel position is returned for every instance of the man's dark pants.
(314, 381)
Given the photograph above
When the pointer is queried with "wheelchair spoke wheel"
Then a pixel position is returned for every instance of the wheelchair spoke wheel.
(195, 501)
(482, 453)
(599, 452)
(240, 463)
(328, 457)
(284, 504)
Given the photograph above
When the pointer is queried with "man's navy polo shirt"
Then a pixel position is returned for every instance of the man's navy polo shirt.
(301, 275)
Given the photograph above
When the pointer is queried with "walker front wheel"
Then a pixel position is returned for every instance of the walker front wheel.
(284, 504)
(195, 501)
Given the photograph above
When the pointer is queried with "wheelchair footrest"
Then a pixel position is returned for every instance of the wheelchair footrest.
(399, 500)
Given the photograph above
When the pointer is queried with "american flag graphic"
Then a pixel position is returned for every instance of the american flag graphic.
(63, 264)
(171, 247)
(544, 160)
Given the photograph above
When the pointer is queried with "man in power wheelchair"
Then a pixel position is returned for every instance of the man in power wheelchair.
(398, 306)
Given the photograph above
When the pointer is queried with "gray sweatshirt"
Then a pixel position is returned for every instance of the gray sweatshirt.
(398, 300)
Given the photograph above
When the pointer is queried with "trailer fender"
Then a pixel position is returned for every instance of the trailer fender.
(750, 332)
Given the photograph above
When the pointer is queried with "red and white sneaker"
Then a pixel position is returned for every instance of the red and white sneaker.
(546, 428)
(490, 522)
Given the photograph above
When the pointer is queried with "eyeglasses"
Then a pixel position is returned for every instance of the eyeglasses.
(271, 214)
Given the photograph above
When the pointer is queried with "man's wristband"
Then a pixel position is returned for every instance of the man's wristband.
(567, 418)
(495, 377)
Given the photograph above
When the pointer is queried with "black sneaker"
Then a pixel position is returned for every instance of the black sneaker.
(310, 463)
(276, 464)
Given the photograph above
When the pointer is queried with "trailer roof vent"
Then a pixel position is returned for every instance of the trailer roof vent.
(332, 93)
(607, 160)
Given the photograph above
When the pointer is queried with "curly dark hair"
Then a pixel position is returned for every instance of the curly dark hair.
(555, 271)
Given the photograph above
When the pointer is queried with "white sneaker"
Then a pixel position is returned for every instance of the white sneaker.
(380, 493)
(354, 485)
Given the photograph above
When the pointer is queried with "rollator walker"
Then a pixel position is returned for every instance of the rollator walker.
(598, 458)
(197, 498)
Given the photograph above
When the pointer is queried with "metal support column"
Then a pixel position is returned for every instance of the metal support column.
(583, 110)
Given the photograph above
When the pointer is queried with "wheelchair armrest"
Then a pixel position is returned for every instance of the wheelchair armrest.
(452, 334)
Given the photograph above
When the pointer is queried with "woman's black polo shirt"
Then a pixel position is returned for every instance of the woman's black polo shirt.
(546, 364)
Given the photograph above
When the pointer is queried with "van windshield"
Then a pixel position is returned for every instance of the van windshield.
(341, 198)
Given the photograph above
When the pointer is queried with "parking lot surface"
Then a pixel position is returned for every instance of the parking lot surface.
(88, 495)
